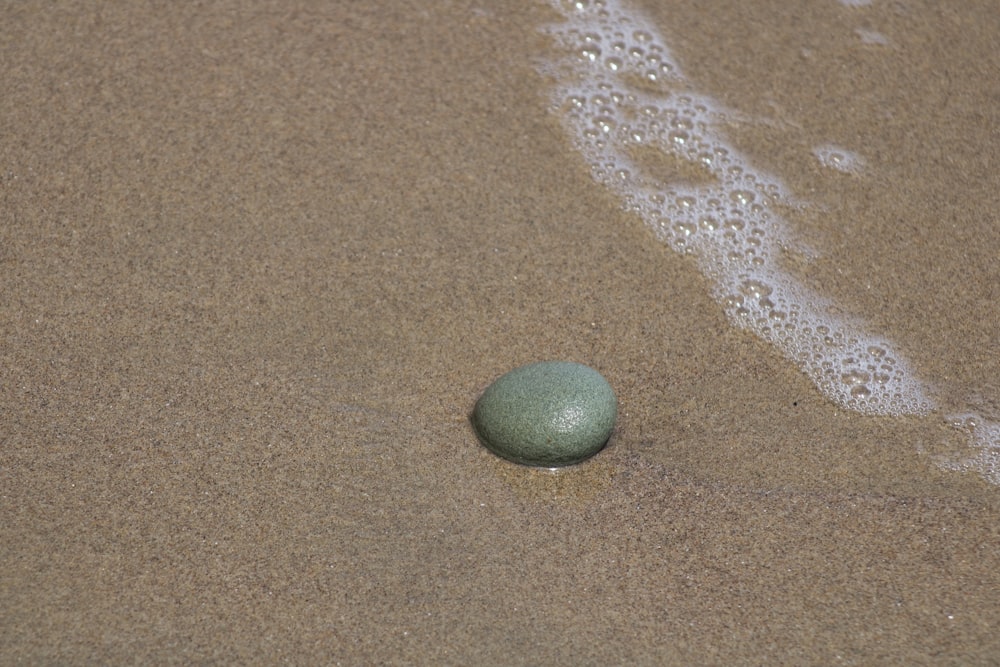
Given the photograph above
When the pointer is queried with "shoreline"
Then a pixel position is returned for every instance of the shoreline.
(261, 263)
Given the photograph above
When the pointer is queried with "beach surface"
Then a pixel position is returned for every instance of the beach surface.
(259, 259)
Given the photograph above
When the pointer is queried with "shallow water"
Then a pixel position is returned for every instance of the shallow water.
(675, 156)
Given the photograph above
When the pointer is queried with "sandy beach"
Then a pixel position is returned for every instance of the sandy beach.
(259, 260)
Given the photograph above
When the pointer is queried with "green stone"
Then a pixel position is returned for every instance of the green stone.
(551, 413)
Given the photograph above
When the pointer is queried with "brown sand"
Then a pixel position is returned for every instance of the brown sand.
(259, 259)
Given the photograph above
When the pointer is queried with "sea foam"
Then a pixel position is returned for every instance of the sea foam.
(657, 143)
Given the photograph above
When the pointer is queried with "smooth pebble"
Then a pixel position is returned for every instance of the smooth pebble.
(548, 414)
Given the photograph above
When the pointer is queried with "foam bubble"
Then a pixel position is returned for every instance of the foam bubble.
(840, 159)
(985, 443)
(657, 143)
(659, 146)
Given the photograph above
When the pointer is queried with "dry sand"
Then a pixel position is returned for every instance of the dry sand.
(258, 260)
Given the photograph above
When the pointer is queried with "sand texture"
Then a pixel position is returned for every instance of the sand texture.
(259, 259)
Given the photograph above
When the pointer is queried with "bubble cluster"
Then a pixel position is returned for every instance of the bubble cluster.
(840, 159)
(985, 437)
(658, 145)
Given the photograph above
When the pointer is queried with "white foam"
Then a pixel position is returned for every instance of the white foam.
(839, 159)
(629, 108)
(984, 441)
(659, 145)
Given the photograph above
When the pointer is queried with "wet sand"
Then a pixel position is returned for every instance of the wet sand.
(259, 262)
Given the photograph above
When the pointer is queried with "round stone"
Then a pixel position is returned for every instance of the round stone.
(550, 413)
